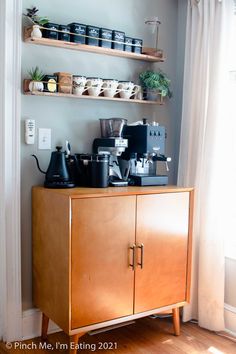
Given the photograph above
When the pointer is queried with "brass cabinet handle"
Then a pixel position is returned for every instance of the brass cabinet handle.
(141, 246)
(133, 264)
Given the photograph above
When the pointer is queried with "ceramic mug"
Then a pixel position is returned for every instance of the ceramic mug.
(79, 83)
(126, 89)
(110, 87)
(94, 86)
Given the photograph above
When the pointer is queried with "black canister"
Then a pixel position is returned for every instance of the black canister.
(50, 83)
(128, 44)
(137, 47)
(119, 37)
(106, 37)
(51, 31)
(100, 171)
(93, 35)
(65, 34)
(71, 163)
(79, 31)
(83, 166)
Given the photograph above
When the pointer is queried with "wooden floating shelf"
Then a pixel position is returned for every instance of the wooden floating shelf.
(102, 98)
(88, 48)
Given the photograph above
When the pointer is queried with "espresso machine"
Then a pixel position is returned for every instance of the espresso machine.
(146, 148)
(113, 144)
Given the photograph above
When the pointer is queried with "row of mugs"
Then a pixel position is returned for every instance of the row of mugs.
(109, 87)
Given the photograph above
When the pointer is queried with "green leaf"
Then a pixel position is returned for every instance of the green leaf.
(36, 74)
(156, 80)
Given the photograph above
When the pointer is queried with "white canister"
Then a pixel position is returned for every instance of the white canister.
(36, 86)
(79, 83)
(110, 87)
(94, 86)
(126, 89)
(36, 32)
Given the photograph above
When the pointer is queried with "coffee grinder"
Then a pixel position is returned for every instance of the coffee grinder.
(112, 143)
(146, 148)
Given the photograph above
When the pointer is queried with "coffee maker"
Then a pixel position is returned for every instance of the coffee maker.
(146, 148)
(112, 143)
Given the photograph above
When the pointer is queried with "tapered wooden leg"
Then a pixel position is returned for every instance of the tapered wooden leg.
(74, 341)
(45, 321)
(176, 321)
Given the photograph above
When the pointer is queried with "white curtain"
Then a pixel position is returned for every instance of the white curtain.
(204, 155)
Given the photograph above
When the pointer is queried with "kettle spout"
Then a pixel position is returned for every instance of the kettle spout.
(37, 162)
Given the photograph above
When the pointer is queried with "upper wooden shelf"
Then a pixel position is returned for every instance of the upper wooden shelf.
(88, 48)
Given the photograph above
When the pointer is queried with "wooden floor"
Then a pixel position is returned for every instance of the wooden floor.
(146, 336)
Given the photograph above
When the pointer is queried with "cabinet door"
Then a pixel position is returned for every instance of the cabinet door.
(102, 281)
(162, 228)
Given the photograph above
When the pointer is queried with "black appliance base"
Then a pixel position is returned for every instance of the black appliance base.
(118, 183)
(146, 180)
(59, 185)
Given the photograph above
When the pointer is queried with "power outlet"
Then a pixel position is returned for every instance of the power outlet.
(44, 139)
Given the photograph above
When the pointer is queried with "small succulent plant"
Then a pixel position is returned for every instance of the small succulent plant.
(33, 16)
(36, 74)
(156, 81)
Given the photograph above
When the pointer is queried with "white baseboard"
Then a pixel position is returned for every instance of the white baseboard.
(230, 319)
(32, 320)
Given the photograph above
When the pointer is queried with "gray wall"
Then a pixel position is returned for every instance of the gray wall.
(182, 12)
(77, 120)
(230, 293)
(230, 288)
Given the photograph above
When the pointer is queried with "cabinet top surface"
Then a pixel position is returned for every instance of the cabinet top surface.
(84, 192)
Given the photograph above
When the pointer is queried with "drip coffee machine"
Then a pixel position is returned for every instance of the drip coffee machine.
(113, 144)
(146, 148)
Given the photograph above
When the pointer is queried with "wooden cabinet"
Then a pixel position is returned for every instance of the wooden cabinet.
(101, 281)
(162, 229)
(106, 256)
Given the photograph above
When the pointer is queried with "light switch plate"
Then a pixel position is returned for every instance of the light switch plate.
(44, 139)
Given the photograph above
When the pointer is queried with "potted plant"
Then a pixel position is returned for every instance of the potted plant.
(154, 84)
(38, 22)
(36, 77)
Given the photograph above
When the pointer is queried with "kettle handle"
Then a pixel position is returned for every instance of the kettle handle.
(37, 162)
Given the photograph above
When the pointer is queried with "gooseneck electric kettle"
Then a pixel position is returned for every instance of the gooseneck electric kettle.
(57, 174)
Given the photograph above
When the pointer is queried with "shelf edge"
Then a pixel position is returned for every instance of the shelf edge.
(102, 98)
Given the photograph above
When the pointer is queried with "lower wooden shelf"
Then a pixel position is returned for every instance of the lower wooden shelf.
(86, 97)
